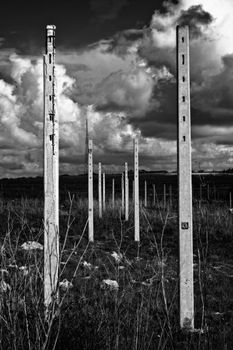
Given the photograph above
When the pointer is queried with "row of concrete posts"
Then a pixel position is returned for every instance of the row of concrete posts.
(51, 176)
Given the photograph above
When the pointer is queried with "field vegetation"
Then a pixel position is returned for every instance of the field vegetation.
(115, 293)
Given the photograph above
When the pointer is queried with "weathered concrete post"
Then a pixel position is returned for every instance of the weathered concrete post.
(113, 193)
(100, 190)
(145, 193)
(90, 192)
(104, 189)
(126, 193)
(136, 193)
(122, 193)
(51, 174)
(185, 181)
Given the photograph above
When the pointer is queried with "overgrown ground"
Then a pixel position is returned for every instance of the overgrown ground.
(142, 312)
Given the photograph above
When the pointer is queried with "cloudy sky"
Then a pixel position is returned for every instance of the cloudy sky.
(116, 64)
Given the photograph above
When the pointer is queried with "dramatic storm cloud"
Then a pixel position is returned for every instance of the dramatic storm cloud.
(125, 84)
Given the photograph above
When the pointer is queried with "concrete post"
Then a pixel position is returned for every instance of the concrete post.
(90, 193)
(230, 200)
(122, 193)
(113, 193)
(100, 190)
(145, 193)
(126, 193)
(185, 181)
(104, 189)
(51, 174)
(170, 196)
(136, 193)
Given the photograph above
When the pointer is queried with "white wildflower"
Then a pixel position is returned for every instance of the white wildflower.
(31, 245)
(117, 256)
(147, 284)
(87, 265)
(111, 283)
(65, 284)
(24, 269)
(13, 266)
(4, 287)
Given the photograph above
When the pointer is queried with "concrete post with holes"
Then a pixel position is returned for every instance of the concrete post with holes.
(185, 181)
(100, 189)
(113, 193)
(90, 193)
(145, 193)
(122, 193)
(104, 189)
(126, 193)
(51, 174)
(136, 193)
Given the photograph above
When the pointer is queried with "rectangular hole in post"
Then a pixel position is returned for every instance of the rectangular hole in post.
(183, 98)
(50, 58)
(50, 77)
(182, 39)
(183, 79)
(50, 97)
(184, 138)
(183, 118)
(182, 59)
(50, 39)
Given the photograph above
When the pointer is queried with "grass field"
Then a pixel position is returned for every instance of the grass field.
(139, 309)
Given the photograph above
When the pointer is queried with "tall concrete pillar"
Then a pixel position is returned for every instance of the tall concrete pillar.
(90, 192)
(51, 173)
(126, 193)
(113, 193)
(100, 190)
(136, 193)
(145, 193)
(104, 189)
(185, 181)
(122, 194)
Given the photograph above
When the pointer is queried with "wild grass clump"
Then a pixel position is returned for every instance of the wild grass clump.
(121, 294)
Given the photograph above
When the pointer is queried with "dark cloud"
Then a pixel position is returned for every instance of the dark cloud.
(122, 41)
(107, 10)
(11, 165)
(195, 17)
(124, 91)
